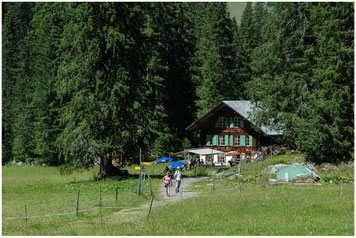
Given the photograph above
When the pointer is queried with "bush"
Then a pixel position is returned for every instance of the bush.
(278, 160)
(335, 178)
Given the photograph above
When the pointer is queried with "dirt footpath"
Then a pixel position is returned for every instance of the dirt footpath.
(174, 196)
(183, 187)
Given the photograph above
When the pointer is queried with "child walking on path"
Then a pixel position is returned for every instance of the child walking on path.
(167, 183)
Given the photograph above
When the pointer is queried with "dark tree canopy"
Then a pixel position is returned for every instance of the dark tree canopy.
(87, 82)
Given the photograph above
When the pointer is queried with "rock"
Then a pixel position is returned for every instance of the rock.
(350, 165)
(327, 167)
(233, 177)
(229, 173)
(219, 175)
(44, 165)
(272, 180)
(19, 163)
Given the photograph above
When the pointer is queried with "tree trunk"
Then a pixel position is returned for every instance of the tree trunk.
(107, 169)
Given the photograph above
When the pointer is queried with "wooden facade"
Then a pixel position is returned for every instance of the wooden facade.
(235, 128)
(225, 129)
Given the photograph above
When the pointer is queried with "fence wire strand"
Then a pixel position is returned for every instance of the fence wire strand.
(59, 214)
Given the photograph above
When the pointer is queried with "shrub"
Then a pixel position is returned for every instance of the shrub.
(278, 160)
(335, 178)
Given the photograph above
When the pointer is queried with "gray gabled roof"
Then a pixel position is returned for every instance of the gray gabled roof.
(245, 109)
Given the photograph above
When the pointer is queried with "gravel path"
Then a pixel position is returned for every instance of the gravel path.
(174, 196)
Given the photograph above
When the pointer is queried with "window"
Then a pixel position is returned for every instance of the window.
(236, 140)
(236, 122)
(247, 140)
(221, 159)
(221, 140)
(209, 139)
(221, 122)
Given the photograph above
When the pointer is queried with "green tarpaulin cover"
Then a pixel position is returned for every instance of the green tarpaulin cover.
(289, 173)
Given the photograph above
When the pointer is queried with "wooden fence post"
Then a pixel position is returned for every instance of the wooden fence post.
(150, 185)
(239, 175)
(260, 179)
(116, 194)
(214, 182)
(99, 195)
(149, 211)
(76, 213)
(130, 192)
(340, 189)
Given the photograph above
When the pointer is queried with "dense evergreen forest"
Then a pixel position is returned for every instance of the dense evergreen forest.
(96, 80)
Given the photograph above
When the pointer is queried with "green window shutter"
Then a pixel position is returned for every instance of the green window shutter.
(250, 141)
(241, 122)
(226, 122)
(242, 141)
(216, 123)
(226, 140)
(231, 140)
(215, 140)
(231, 122)
(207, 139)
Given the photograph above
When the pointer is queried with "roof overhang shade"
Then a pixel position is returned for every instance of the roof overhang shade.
(233, 153)
(203, 151)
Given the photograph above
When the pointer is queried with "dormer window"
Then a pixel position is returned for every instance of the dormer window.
(236, 122)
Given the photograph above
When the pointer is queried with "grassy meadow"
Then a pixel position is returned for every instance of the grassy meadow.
(285, 209)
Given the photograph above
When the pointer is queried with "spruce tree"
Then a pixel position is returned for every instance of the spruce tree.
(326, 132)
(168, 28)
(17, 118)
(214, 64)
(45, 39)
(99, 82)
(281, 67)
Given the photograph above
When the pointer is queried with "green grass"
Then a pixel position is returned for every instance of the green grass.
(259, 210)
(44, 191)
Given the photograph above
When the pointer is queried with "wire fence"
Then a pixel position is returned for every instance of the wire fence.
(77, 211)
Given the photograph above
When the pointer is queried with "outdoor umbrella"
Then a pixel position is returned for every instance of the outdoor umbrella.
(164, 159)
(177, 164)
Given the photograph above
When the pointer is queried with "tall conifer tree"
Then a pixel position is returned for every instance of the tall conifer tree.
(100, 82)
(17, 117)
(326, 131)
(215, 56)
(45, 39)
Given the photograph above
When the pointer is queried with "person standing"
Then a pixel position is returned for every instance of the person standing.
(167, 183)
(178, 177)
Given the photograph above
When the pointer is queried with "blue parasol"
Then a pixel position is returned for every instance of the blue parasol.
(164, 159)
(177, 164)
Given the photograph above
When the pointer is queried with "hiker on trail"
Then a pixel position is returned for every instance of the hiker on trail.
(167, 183)
(178, 177)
